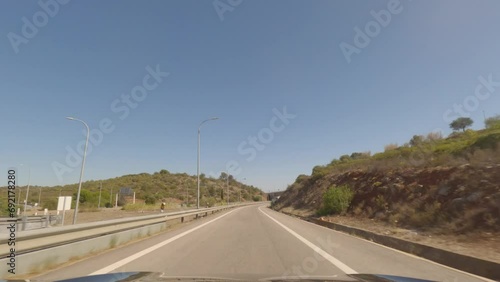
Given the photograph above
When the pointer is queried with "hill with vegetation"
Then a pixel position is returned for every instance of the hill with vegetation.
(447, 185)
(150, 189)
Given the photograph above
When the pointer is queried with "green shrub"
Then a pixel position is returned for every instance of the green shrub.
(492, 122)
(50, 204)
(319, 171)
(301, 178)
(149, 200)
(257, 198)
(336, 200)
(490, 141)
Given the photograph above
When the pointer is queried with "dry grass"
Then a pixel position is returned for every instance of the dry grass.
(390, 147)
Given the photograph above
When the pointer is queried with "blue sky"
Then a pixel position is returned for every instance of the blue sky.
(242, 65)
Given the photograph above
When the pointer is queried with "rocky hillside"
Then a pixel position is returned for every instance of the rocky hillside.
(447, 193)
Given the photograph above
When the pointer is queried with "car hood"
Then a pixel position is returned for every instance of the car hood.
(156, 276)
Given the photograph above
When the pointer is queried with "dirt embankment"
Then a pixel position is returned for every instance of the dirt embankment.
(456, 208)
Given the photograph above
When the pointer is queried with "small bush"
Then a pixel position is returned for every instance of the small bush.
(149, 200)
(318, 172)
(336, 200)
(492, 122)
(301, 178)
(434, 136)
(50, 204)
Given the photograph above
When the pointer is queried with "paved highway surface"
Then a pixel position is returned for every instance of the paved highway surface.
(255, 242)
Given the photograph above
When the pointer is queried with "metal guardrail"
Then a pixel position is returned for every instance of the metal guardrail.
(30, 222)
(61, 235)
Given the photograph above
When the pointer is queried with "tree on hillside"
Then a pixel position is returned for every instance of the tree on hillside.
(223, 176)
(492, 122)
(416, 140)
(461, 123)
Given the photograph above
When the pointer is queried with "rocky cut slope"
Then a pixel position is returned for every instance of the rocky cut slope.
(442, 199)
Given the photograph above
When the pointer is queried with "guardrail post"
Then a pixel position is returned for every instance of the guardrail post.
(182, 219)
(47, 217)
(23, 225)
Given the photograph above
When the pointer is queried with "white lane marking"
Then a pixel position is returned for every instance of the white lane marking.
(131, 258)
(390, 249)
(346, 269)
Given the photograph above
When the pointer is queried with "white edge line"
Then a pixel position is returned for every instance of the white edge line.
(346, 269)
(131, 258)
(394, 250)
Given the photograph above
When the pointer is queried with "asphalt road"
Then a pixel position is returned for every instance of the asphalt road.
(255, 242)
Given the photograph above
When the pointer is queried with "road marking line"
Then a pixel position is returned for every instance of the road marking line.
(346, 269)
(388, 248)
(131, 258)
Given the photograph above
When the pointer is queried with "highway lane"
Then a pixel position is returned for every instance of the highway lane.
(255, 242)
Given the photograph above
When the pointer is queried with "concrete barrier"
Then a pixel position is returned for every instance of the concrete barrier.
(484, 268)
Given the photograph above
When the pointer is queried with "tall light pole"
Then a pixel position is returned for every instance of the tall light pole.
(27, 191)
(198, 168)
(83, 167)
(20, 193)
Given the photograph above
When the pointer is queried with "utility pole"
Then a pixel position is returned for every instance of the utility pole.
(111, 196)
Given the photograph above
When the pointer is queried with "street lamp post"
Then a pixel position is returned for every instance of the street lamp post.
(82, 169)
(198, 168)
(27, 191)
(19, 197)
(23, 226)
